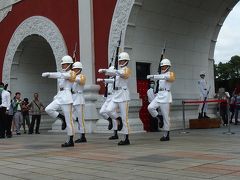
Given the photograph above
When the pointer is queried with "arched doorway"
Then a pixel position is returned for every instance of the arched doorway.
(33, 56)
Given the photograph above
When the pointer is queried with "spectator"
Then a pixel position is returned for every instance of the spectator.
(4, 105)
(9, 119)
(17, 110)
(223, 105)
(232, 107)
(237, 107)
(36, 108)
(25, 114)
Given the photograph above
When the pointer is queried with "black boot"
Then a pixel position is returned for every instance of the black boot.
(110, 125)
(205, 116)
(120, 124)
(200, 116)
(115, 136)
(165, 137)
(82, 139)
(64, 125)
(69, 143)
(159, 118)
(125, 142)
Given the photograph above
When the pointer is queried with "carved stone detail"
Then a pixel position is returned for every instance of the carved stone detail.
(4, 12)
(38, 25)
(119, 23)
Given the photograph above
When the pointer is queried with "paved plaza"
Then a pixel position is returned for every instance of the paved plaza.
(199, 154)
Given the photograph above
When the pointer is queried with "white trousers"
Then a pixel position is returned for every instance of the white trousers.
(201, 105)
(123, 107)
(103, 113)
(78, 112)
(165, 109)
(52, 108)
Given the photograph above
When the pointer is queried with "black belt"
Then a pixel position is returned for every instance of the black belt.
(119, 88)
(164, 89)
(62, 89)
(73, 92)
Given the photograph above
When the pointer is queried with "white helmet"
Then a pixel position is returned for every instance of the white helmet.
(77, 65)
(165, 62)
(67, 60)
(123, 56)
(202, 73)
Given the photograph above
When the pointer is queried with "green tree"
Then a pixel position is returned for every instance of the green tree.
(227, 74)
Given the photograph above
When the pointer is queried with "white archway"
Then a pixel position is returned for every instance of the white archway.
(38, 25)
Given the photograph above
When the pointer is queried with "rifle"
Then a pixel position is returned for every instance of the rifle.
(159, 67)
(115, 63)
(204, 101)
(74, 53)
(116, 57)
(106, 86)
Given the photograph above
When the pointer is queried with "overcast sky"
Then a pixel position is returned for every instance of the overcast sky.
(228, 42)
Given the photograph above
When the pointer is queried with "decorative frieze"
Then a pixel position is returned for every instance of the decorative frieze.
(119, 23)
(35, 25)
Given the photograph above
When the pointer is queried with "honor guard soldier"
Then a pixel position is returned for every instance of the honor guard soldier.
(63, 99)
(103, 111)
(202, 85)
(163, 98)
(78, 100)
(121, 96)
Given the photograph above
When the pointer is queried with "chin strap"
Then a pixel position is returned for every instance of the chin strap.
(166, 69)
(124, 64)
(67, 67)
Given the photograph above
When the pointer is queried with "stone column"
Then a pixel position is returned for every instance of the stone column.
(86, 41)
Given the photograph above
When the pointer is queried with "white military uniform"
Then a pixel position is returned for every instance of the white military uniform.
(120, 97)
(63, 99)
(103, 110)
(163, 98)
(150, 94)
(202, 84)
(79, 101)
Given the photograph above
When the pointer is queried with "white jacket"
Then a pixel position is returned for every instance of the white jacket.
(65, 82)
(121, 92)
(164, 94)
(6, 99)
(202, 85)
(77, 89)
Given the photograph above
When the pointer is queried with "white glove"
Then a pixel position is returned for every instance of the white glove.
(102, 70)
(150, 76)
(99, 80)
(46, 74)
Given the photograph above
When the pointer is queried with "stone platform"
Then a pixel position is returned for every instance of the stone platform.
(204, 123)
(201, 154)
